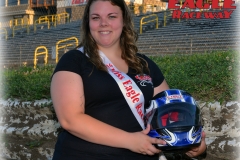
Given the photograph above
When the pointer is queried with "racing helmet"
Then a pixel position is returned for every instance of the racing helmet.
(175, 118)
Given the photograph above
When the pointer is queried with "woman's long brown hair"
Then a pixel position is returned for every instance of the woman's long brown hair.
(128, 40)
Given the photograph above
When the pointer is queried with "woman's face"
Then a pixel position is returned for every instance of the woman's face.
(106, 23)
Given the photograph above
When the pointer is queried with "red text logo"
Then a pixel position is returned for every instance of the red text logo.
(227, 9)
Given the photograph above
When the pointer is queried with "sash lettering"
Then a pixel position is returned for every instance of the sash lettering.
(131, 92)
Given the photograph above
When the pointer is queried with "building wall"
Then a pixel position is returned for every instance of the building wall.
(146, 6)
(155, 4)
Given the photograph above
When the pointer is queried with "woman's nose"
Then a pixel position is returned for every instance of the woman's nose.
(103, 22)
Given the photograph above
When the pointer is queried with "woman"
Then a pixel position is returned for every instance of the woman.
(99, 90)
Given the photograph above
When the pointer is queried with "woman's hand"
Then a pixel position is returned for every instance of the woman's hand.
(196, 151)
(143, 144)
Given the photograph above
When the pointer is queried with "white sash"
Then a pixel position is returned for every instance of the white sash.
(128, 87)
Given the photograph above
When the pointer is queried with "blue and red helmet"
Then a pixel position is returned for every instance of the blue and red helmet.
(175, 117)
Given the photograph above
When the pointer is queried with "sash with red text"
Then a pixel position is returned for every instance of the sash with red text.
(129, 89)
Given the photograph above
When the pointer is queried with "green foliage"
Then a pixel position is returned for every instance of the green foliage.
(27, 83)
(208, 77)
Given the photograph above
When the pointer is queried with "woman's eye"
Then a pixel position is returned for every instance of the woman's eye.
(112, 17)
(95, 18)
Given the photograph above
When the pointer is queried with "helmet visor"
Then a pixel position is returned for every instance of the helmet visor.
(176, 115)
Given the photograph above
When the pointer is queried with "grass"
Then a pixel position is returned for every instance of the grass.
(208, 77)
(27, 83)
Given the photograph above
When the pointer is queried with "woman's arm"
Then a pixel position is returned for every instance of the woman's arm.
(69, 104)
(162, 87)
